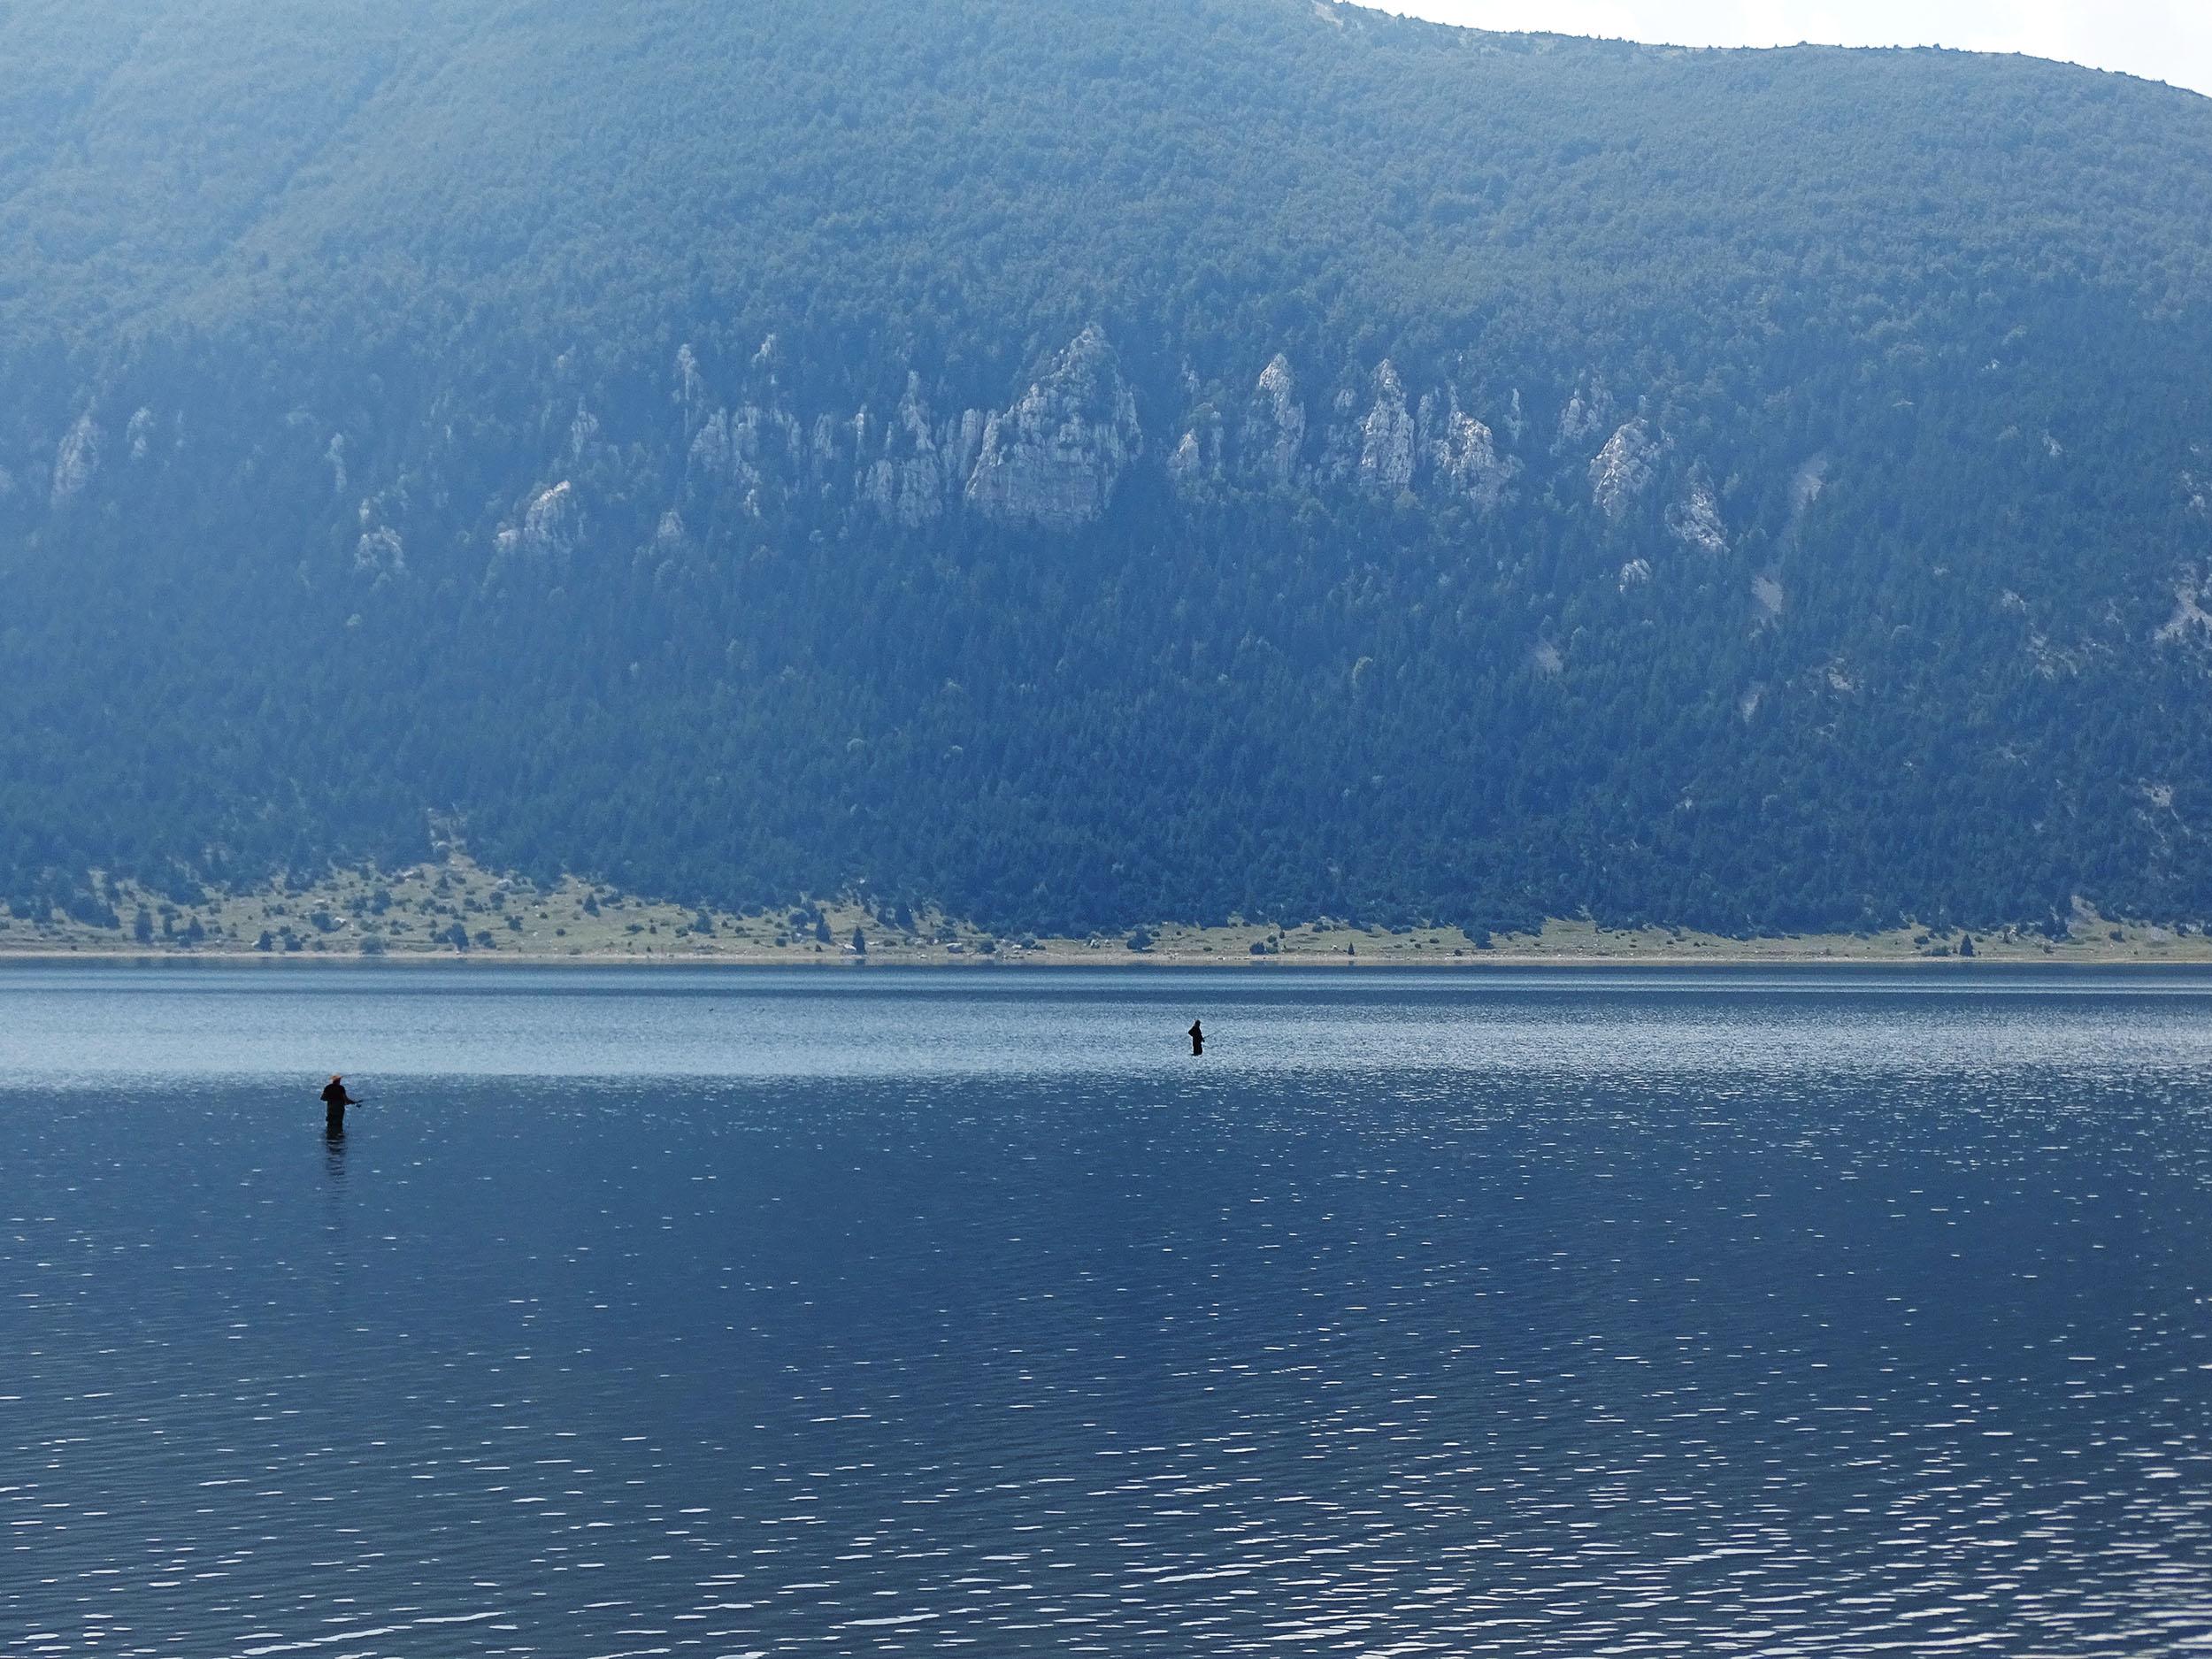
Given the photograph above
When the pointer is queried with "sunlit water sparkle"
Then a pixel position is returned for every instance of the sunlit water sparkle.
(748, 1312)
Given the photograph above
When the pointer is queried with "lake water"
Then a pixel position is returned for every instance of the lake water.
(748, 1311)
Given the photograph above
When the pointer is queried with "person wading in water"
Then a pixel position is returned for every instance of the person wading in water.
(335, 1100)
(1197, 1038)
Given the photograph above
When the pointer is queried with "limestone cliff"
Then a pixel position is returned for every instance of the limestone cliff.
(1053, 459)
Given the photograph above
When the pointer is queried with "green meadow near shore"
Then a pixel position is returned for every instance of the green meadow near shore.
(456, 909)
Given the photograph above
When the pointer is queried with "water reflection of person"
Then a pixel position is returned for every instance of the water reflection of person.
(335, 1100)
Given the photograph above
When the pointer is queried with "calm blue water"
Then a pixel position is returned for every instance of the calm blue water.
(730, 1312)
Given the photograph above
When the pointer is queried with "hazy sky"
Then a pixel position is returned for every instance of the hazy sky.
(2159, 40)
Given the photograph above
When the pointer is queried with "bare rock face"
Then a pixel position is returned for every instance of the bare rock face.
(583, 430)
(1385, 453)
(963, 443)
(691, 388)
(710, 446)
(1465, 453)
(77, 459)
(551, 525)
(1584, 416)
(1340, 442)
(379, 553)
(1274, 425)
(1767, 597)
(1622, 470)
(1187, 465)
(1695, 519)
(1805, 487)
(1053, 459)
(2190, 619)
(1195, 464)
(907, 481)
(737, 446)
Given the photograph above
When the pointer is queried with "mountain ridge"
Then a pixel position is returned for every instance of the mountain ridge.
(1080, 466)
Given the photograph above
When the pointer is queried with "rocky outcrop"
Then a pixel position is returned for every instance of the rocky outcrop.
(1767, 596)
(1695, 519)
(380, 552)
(77, 458)
(907, 482)
(691, 389)
(1621, 471)
(1053, 459)
(583, 430)
(1588, 407)
(739, 447)
(551, 527)
(1464, 453)
(2190, 619)
(1386, 449)
(1806, 484)
(710, 446)
(1274, 426)
(1196, 460)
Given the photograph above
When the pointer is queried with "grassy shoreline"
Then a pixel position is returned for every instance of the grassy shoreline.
(424, 913)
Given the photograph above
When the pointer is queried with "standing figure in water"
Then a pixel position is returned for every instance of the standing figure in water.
(335, 1100)
(1197, 1038)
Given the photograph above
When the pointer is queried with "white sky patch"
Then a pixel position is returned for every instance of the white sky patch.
(2159, 40)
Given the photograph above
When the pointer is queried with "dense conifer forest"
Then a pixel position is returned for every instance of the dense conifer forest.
(1079, 463)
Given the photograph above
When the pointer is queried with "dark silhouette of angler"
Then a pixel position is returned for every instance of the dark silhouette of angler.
(335, 1100)
(1197, 1038)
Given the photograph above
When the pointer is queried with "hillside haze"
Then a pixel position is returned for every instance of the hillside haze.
(1078, 464)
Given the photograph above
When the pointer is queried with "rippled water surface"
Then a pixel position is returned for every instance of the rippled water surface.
(743, 1312)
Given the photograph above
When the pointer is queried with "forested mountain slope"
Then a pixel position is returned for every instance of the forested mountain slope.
(1079, 461)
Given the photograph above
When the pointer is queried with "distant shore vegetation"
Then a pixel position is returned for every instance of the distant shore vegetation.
(453, 907)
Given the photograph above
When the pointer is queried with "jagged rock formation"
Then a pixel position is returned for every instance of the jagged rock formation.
(552, 524)
(1053, 459)
(380, 552)
(1196, 461)
(1464, 452)
(77, 459)
(1695, 519)
(1274, 425)
(908, 481)
(1386, 449)
(1584, 414)
(1620, 471)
